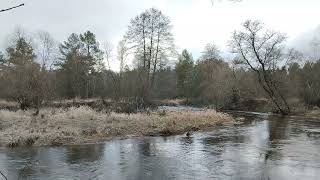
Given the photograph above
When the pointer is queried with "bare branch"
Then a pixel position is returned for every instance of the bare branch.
(8, 9)
(3, 176)
(262, 51)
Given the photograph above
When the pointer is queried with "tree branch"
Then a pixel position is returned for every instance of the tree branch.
(3, 175)
(8, 9)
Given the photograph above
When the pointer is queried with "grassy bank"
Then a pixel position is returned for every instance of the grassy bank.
(315, 112)
(55, 126)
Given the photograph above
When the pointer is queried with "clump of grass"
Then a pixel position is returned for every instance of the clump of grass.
(8, 104)
(83, 124)
(81, 113)
(89, 131)
(162, 113)
(13, 144)
(314, 112)
(172, 102)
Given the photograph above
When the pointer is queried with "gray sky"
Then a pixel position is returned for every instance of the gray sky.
(195, 22)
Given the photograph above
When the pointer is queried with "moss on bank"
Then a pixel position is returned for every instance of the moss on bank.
(54, 126)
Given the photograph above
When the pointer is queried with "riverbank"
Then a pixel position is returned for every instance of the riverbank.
(315, 112)
(55, 126)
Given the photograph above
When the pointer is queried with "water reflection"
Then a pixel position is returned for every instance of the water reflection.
(79, 154)
(260, 147)
(186, 141)
(278, 131)
(148, 147)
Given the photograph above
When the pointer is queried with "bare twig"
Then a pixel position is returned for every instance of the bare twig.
(3, 176)
(8, 9)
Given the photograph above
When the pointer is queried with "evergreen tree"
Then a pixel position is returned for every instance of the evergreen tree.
(184, 73)
(23, 77)
(81, 60)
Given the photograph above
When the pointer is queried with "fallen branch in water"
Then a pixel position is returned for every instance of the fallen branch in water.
(3, 176)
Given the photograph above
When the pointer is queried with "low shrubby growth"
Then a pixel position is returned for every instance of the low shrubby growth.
(315, 112)
(55, 126)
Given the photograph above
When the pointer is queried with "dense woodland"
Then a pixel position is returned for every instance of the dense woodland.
(35, 69)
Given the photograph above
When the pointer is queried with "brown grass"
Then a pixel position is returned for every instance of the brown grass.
(315, 112)
(172, 102)
(10, 105)
(80, 125)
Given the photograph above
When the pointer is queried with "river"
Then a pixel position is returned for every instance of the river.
(258, 146)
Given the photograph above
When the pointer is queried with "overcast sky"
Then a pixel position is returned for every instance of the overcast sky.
(195, 22)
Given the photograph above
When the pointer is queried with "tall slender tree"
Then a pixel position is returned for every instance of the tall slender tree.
(149, 36)
(184, 69)
(81, 59)
(262, 51)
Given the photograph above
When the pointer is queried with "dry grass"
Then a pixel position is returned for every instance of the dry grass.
(8, 105)
(79, 125)
(315, 112)
(172, 102)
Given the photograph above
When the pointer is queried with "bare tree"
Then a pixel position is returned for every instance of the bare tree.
(315, 46)
(122, 51)
(11, 8)
(149, 35)
(262, 51)
(108, 49)
(211, 51)
(46, 49)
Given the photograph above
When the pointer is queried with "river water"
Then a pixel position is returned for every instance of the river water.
(259, 146)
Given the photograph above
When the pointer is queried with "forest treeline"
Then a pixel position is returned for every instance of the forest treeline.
(36, 69)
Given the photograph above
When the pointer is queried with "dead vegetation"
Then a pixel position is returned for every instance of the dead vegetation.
(74, 125)
(172, 102)
(315, 112)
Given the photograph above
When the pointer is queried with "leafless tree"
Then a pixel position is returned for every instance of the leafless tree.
(46, 49)
(262, 51)
(315, 46)
(122, 51)
(149, 35)
(211, 51)
(108, 49)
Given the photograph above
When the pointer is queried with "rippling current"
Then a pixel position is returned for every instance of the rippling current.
(259, 146)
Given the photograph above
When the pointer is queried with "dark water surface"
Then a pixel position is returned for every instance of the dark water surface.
(258, 147)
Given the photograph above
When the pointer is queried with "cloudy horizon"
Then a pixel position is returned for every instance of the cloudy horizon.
(195, 23)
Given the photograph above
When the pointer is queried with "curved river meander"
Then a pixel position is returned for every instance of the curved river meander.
(259, 147)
